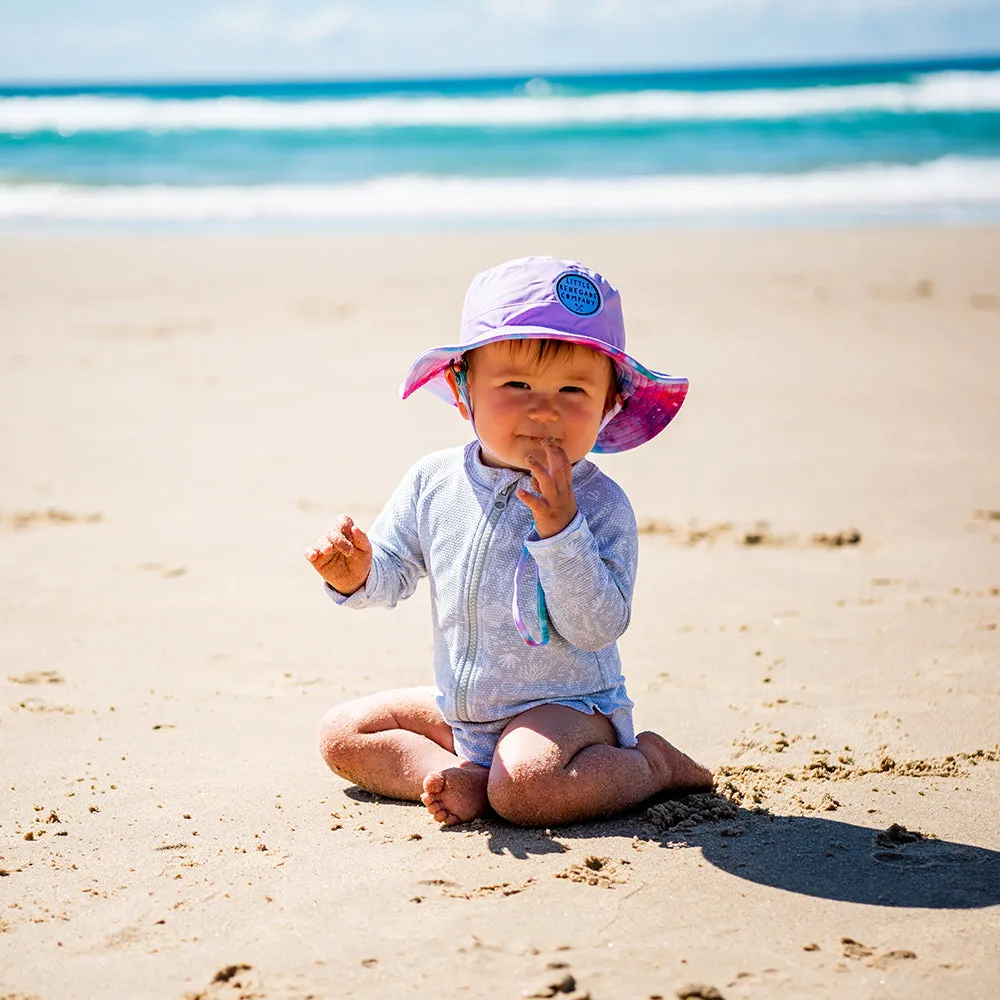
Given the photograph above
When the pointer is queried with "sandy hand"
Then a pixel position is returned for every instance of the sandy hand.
(554, 503)
(343, 556)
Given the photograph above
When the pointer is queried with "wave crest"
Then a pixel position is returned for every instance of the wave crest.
(954, 91)
(950, 183)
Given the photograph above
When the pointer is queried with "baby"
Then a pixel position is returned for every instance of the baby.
(531, 556)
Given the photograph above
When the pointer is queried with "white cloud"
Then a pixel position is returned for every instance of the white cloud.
(659, 11)
(530, 11)
(245, 23)
(323, 24)
(259, 22)
(102, 37)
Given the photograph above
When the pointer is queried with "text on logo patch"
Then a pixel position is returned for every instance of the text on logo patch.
(578, 294)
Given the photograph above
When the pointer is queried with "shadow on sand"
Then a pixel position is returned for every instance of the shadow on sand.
(829, 859)
(809, 855)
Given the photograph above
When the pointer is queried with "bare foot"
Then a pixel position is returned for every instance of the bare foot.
(676, 770)
(456, 794)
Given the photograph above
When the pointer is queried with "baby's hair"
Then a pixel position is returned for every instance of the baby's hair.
(545, 349)
(542, 349)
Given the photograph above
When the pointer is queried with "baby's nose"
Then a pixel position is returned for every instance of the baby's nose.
(544, 411)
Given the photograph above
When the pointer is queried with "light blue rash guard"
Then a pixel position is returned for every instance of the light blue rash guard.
(460, 523)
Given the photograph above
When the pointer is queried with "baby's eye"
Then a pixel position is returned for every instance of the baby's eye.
(572, 388)
(516, 385)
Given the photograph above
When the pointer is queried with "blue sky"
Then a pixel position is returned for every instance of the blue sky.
(107, 40)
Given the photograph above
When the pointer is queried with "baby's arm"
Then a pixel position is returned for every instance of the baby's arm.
(343, 556)
(587, 592)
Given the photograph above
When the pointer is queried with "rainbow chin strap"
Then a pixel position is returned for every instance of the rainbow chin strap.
(460, 369)
(543, 615)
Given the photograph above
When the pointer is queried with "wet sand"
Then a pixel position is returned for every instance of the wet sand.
(816, 617)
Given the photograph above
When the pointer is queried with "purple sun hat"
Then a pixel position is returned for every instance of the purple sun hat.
(545, 297)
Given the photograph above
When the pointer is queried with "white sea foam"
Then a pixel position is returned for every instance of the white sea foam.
(951, 183)
(944, 91)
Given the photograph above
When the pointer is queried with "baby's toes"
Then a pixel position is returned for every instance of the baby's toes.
(437, 811)
(433, 784)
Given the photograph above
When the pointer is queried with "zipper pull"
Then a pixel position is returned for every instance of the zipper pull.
(501, 500)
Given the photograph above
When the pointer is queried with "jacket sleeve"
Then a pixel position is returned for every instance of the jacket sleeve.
(587, 573)
(397, 557)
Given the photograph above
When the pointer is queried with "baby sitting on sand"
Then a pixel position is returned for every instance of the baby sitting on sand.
(531, 554)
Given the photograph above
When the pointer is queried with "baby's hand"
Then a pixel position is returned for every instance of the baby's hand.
(555, 505)
(343, 556)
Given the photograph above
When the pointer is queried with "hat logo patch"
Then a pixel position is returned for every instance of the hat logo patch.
(578, 294)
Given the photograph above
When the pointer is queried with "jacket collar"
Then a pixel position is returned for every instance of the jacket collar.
(497, 479)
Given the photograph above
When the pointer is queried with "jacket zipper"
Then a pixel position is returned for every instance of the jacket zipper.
(479, 560)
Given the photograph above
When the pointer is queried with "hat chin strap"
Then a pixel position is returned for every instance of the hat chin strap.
(609, 416)
(460, 370)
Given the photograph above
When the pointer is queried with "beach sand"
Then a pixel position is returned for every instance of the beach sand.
(816, 616)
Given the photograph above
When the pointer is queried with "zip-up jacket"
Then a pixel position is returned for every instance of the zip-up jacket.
(460, 523)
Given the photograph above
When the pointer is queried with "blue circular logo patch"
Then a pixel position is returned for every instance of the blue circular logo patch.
(578, 294)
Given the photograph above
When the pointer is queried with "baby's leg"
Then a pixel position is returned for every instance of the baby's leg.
(554, 764)
(391, 743)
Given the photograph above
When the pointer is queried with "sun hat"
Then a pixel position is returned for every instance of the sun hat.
(535, 298)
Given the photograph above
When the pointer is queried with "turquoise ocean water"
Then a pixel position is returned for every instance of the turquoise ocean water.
(827, 145)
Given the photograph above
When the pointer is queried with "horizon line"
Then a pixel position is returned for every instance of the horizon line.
(916, 62)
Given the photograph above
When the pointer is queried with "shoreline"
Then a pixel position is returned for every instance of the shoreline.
(767, 227)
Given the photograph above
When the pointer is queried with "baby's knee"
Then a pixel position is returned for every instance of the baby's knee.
(519, 793)
(337, 735)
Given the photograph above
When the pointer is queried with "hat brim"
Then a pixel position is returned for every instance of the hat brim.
(652, 399)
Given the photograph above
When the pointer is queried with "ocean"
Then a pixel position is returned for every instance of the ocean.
(871, 144)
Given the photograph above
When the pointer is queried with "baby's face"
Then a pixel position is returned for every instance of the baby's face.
(519, 400)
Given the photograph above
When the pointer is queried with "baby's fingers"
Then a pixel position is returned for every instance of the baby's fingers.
(341, 545)
(323, 547)
(359, 539)
(541, 476)
(326, 545)
(534, 503)
(559, 467)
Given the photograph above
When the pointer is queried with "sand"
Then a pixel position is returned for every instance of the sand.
(816, 617)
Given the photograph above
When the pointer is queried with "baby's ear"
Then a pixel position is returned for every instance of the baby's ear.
(462, 408)
(614, 397)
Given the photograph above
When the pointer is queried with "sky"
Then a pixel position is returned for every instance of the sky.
(125, 41)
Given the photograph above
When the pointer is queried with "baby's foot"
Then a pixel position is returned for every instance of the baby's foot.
(456, 794)
(673, 769)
